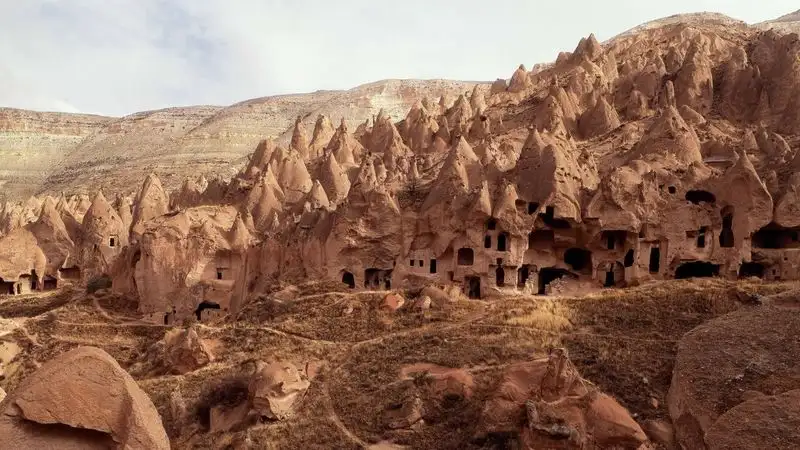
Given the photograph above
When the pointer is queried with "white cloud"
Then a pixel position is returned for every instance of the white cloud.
(121, 56)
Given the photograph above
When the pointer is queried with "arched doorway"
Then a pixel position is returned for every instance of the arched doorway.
(349, 280)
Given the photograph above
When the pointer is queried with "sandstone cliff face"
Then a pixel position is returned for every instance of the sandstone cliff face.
(32, 144)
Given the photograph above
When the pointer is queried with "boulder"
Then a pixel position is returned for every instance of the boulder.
(275, 388)
(185, 351)
(81, 399)
(549, 405)
(393, 302)
(720, 361)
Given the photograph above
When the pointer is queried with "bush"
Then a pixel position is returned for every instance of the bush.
(97, 283)
(229, 391)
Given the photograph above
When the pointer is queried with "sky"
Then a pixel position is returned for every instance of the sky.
(116, 57)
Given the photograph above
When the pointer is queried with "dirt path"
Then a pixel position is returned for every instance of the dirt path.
(334, 417)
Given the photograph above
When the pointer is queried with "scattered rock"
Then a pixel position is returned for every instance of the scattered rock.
(393, 302)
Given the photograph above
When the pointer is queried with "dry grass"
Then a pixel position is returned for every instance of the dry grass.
(624, 341)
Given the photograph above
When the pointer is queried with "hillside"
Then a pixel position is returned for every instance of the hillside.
(55, 152)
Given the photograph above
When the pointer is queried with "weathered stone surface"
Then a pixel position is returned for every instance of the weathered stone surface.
(87, 391)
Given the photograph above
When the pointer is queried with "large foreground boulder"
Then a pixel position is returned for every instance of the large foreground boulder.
(732, 376)
(547, 404)
(81, 399)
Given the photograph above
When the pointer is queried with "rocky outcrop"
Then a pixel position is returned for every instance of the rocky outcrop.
(548, 404)
(275, 388)
(720, 363)
(185, 351)
(81, 399)
(151, 202)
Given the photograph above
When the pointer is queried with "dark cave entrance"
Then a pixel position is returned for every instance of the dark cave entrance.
(549, 274)
(774, 236)
(349, 280)
(579, 259)
(523, 274)
(374, 278)
(726, 235)
(500, 276)
(655, 260)
(204, 305)
(550, 220)
(697, 197)
(629, 258)
(610, 282)
(466, 257)
(502, 242)
(696, 269)
(7, 287)
(751, 269)
(70, 273)
(473, 287)
(49, 283)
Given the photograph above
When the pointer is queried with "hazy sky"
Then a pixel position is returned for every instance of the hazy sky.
(116, 57)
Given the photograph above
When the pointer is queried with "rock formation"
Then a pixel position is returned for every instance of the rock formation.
(81, 399)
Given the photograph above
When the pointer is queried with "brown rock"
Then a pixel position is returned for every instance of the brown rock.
(393, 302)
(275, 389)
(719, 360)
(86, 390)
(185, 351)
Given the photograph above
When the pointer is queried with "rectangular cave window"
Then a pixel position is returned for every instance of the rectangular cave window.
(112, 241)
(220, 273)
(411, 263)
(610, 241)
(421, 263)
(655, 259)
(502, 242)
(487, 242)
(701, 238)
(433, 266)
(532, 208)
(609, 279)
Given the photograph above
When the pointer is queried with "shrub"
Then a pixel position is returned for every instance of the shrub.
(97, 283)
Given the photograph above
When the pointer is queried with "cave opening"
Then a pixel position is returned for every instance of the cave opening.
(629, 258)
(473, 285)
(466, 257)
(502, 242)
(578, 258)
(696, 269)
(698, 196)
(726, 235)
(609, 282)
(349, 280)
(523, 274)
(551, 221)
(751, 269)
(374, 278)
(549, 274)
(500, 276)
(774, 236)
(204, 305)
(655, 260)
